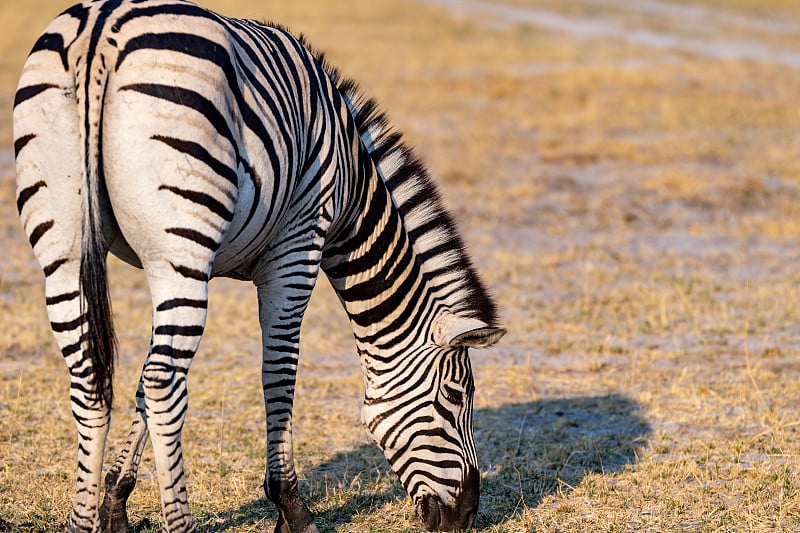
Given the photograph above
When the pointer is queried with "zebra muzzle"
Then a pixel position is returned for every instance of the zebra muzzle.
(434, 515)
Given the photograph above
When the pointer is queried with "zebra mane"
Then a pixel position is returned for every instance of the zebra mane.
(431, 229)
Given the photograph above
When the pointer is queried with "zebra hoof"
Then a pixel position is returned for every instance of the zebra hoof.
(113, 511)
(113, 520)
(283, 527)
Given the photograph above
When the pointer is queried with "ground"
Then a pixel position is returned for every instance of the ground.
(627, 177)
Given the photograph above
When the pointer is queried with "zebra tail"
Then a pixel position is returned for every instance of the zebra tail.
(101, 341)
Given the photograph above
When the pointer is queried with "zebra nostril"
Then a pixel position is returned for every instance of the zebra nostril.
(470, 518)
(471, 489)
(434, 515)
(428, 512)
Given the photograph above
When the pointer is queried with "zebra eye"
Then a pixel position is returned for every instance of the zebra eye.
(452, 395)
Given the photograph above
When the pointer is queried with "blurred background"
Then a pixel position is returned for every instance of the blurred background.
(626, 174)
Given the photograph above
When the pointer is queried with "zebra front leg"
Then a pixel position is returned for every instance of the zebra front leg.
(179, 315)
(280, 314)
(121, 478)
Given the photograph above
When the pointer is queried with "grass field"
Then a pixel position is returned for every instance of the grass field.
(635, 208)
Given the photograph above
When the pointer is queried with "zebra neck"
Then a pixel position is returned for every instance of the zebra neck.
(396, 258)
(377, 275)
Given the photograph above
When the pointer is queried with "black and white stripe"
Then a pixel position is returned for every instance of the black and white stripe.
(194, 145)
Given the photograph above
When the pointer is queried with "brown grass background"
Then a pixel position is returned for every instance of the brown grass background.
(634, 208)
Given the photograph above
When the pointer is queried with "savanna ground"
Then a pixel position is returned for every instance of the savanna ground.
(627, 175)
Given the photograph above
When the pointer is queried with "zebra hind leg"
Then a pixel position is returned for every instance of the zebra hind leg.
(179, 315)
(91, 418)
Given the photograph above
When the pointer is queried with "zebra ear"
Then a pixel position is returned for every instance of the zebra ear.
(458, 331)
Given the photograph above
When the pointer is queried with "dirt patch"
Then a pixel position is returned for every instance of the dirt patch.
(503, 16)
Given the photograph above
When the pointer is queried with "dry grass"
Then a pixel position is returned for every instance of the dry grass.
(635, 210)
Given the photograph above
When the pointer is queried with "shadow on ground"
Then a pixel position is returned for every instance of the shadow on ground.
(531, 450)
(528, 451)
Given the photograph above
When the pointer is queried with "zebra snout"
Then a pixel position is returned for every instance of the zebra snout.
(434, 515)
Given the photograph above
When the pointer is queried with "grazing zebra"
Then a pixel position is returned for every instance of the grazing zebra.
(193, 145)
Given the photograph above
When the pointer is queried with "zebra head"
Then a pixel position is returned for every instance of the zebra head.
(418, 409)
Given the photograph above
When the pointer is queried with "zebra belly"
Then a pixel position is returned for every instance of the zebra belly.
(251, 230)
(122, 250)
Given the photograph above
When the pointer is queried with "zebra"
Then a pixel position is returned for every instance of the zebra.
(193, 145)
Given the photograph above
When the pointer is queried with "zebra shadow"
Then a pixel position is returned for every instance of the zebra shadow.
(527, 451)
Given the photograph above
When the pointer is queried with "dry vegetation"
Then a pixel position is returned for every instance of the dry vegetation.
(634, 209)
